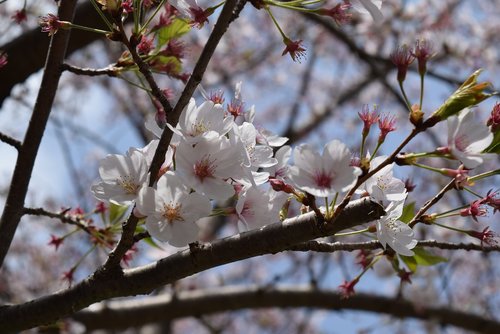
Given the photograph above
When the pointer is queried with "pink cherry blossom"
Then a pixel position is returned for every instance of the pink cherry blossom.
(323, 174)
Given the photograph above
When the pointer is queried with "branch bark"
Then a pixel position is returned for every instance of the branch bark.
(27, 52)
(103, 285)
(123, 314)
(27, 154)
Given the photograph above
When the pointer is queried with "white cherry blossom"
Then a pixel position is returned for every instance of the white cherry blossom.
(172, 211)
(266, 137)
(396, 234)
(280, 170)
(206, 166)
(371, 7)
(256, 207)
(122, 177)
(467, 138)
(383, 187)
(323, 174)
(257, 155)
(208, 119)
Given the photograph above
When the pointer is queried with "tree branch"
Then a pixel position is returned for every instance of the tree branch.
(229, 12)
(110, 71)
(269, 239)
(26, 159)
(41, 212)
(330, 247)
(10, 141)
(122, 314)
(27, 52)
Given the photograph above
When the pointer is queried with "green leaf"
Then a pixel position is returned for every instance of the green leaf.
(151, 242)
(116, 212)
(408, 213)
(410, 262)
(421, 257)
(495, 144)
(176, 29)
(426, 258)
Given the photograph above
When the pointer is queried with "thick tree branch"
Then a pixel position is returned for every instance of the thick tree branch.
(103, 285)
(123, 314)
(27, 52)
(226, 16)
(26, 159)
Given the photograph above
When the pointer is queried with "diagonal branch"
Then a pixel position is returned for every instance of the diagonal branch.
(226, 16)
(270, 239)
(229, 12)
(26, 159)
(123, 314)
(27, 52)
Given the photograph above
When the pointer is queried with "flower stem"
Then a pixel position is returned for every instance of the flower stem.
(276, 24)
(351, 233)
(148, 21)
(408, 104)
(421, 91)
(437, 170)
(101, 14)
(97, 31)
(472, 192)
(450, 228)
(484, 175)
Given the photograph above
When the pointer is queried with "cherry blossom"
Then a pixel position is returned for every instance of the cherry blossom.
(281, 169)
(467, 138)
(207, 119)
(383, 187)
(122, 177)
(295, 49)
(256, 207)
(326, 174)
(257, 155)
(371, 7)
(191, 10)
(172, 211)
(206, 165)
(266, 137)
(396, 234)
(402, 57)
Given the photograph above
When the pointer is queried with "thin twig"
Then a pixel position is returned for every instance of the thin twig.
(56, 215)
(11, 141)
(225, 18)
(145, 70)
(431, 202)
(111, 70)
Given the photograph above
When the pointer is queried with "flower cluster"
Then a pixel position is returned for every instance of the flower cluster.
(391, 193)
(213, 156)
(216, 154)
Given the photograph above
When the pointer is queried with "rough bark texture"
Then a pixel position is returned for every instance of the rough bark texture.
(133, 313)
(106, 284)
